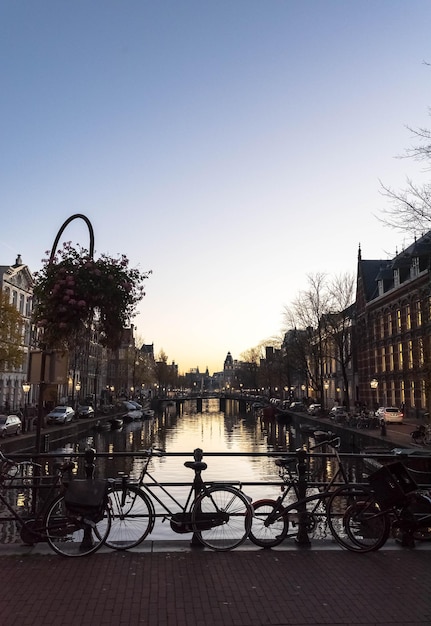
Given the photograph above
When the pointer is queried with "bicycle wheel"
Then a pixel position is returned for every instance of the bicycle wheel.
(221, 517)
(70, 535)
(356, 521)
(132, 520)
(267, 528)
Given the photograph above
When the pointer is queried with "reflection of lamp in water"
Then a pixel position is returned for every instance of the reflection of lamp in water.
(26, 389)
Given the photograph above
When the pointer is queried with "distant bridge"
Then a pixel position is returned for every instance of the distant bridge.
(245, 401)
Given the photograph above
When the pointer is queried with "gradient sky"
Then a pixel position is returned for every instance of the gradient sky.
(232, 147)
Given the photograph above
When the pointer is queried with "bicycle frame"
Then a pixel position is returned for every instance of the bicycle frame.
(281, 511)
(179, 518)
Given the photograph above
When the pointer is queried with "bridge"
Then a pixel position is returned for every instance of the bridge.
(245, 401)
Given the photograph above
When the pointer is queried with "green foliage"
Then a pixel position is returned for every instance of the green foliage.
(73, 290)
(10, 334)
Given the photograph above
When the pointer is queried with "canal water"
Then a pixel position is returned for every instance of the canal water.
(240, 444)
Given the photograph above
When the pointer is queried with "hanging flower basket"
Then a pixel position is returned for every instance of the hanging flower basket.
(73, 291)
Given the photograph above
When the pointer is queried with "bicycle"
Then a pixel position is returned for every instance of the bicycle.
(74, 518)
(422, 435)
(218, 514)
(272, 518)
(392, 504)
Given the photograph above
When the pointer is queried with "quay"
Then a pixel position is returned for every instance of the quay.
(172, 584)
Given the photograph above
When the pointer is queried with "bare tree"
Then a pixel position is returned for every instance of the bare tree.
(339, 324)
(306, 316)
(410, 209)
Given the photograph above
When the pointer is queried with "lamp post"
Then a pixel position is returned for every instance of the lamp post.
(326, 386)
(374, 384)
(77, 389)
(44, 348)
(26, 389)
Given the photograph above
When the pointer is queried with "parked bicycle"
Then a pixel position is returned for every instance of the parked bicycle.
(421, 434)
(272, 518)
(73, 518)
(218, 514)
(392, 504)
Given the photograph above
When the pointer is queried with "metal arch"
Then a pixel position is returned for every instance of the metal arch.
(62, 229)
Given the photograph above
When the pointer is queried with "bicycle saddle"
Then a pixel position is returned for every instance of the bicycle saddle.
(198, 466)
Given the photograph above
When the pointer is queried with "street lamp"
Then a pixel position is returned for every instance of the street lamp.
(77, 389)
(26, 389)
(374, 384)
(326, 386)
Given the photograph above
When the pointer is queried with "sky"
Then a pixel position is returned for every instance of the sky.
(233, 148)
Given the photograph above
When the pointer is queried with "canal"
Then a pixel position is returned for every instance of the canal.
(240, 444)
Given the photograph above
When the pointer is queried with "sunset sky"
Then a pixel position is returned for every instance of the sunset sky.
(232, 147)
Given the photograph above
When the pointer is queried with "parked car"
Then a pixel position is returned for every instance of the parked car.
(85, 411)
(298, 406)
(135, 404)
(60, 415)
(314, 409)
(338, 413)
(390, 414)
(10, 425)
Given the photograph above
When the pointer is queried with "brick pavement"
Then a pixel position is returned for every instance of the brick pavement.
(198, 587)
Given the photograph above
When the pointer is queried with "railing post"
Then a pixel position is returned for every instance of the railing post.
(195, 540)
(302, 538)
(89, 456)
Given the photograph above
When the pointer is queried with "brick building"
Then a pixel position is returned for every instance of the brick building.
(393, 329)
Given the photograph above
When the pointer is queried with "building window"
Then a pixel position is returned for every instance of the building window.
(410, 354)
(412, 393)
(408, 318)
(400, 356)
(421, 352)
(380, 286)
(21, 303)
(418, 313)
(423, 394)
(414, 268)
(402, 395)
(15, 298)
(391, 358)
(383, 360)
(390, 324)
(398, 321)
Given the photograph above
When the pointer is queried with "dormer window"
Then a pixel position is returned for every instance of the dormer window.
(396, 278)
(414, 268)
(380, 287)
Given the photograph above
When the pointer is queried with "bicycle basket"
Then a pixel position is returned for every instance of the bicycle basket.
(87, 498)
(391, 483)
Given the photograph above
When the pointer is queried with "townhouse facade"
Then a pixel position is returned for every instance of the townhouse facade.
(393, 329)
(16, 282)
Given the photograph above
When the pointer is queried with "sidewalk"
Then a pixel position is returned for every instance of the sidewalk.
(174, 585)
